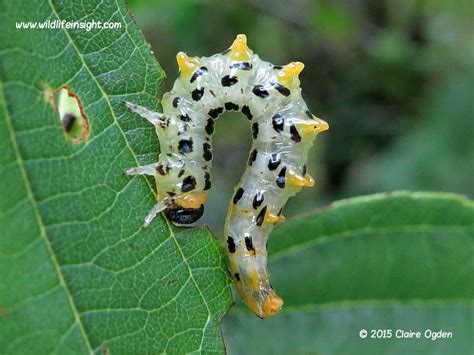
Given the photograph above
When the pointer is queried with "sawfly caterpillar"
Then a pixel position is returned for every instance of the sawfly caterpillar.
(283, 130)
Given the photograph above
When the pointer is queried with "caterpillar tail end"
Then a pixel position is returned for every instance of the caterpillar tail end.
(259, 295)
(272, 305)
(265, 307)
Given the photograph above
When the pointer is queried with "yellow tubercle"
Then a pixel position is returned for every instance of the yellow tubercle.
(273, 218)
(269, 217)
(309, 128)
(239, 50)
(287, 75)
(322, 126)
(301, 181)
(309, 180)
(191, 200)
(186, 65)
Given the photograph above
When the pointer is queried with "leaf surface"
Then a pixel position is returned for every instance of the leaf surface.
(389, 261)
(78, 272)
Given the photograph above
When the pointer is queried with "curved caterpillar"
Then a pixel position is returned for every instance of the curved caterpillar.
(283, 130)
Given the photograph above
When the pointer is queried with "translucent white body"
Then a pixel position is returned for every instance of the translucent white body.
(283, 131)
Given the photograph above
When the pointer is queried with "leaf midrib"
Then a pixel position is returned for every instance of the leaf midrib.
(106, 97)
(353, 233)
(376, 302)
(39, 221)
(37, 214)
(361, 200)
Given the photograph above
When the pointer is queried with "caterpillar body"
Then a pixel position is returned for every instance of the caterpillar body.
(283, 130)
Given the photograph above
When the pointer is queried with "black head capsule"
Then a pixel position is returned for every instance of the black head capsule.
(180, 215)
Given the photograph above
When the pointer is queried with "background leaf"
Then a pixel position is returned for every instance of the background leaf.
(78, 273)
(400, 261)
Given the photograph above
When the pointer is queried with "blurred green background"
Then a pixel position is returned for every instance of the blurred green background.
(394, 79)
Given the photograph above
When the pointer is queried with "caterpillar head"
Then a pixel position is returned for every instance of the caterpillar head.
(180, 215)
(186, 208)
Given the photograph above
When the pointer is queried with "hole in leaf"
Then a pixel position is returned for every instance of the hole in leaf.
(74, 121)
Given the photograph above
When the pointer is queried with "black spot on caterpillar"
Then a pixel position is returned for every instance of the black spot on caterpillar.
(215, 112)
(182, 172)
(209, 126)
(255, 130)
(259, 91)
(278, 122)
(231, 244)
(189, 183)
(160, 170)
(246, 112)
(229, 80)
(185, 146)
(238, 195)
(281, 89)
(261, 216)
(201, 71)
(252, 156)
(242, 66)
(295, 136)
(274, 161)
(207, 154)
(207, 181)
(176, 101)
(258, 200)
(197, 94)
(249, 245)
(231, 106)
(281, 178)
(185, 118)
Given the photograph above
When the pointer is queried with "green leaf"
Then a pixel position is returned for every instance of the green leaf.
(389, 261)
(79, 274)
